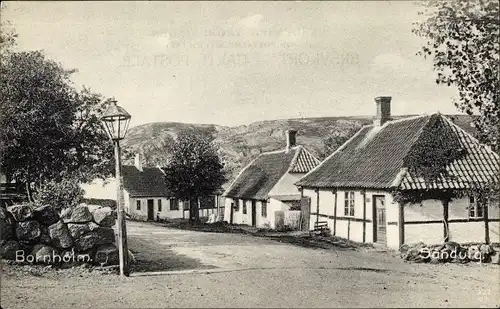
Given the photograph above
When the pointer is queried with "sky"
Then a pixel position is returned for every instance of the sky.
(234, 63)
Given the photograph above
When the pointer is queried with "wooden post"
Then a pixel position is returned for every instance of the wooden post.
(348, 228)
(121, 224)
(317, 206)
(486, 223)
(401, 225)
(364, 215)
(335, 214)
(446, 229)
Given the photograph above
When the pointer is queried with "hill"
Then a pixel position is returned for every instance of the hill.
(241, 144)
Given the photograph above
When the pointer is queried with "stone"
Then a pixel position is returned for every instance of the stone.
(46, 215)
(78, 229)
(44, 235)
(65, 214)
(21, 212)
(9, 248)
(7, 225)
(28, 230)
(106, 255)
(495, 258)
(131, 257)
(486, 250)
(474, 253)
(79, 214)
(61, 238)
(97, 237)
(104, 216)
(44, 254)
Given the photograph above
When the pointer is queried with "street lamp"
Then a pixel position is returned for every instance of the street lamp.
(115, 120)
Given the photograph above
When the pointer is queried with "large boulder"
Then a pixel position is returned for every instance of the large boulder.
(495, 257)
(79, 214)
(44, 235)
(104, 216)
(28, 230)
(21, 212)
(7, 225)
(61, 238)
(78, 229)
(106, 255)
(44, 254)
(46, 215)
(97, 237)
(9, 249)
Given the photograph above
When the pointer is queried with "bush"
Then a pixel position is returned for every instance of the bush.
(60, 195)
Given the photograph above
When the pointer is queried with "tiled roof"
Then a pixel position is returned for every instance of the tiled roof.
(477, 168)
(303, 162)
(259, 177)
(148, 183)
(375, 158)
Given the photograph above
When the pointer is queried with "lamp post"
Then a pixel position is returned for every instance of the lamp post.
(116, 120)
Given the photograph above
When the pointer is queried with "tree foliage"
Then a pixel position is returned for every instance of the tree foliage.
(65, 193)
(195, 168)
(48, 130)
(463, 42)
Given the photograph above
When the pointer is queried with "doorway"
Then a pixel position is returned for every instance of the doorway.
(151, 210)
(379, 220)
(254, 213)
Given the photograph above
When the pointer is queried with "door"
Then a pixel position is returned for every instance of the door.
(379, 220)
(254, 213)
(151, 210)
(305, 212)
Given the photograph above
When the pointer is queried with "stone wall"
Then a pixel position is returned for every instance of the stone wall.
(83, 234)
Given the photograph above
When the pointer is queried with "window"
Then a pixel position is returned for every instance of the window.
(236, 205)
(476, 206)
(264, 209)
(349, 204)
(244, 207)
(159, 204)
(174, 204)
(138, 203)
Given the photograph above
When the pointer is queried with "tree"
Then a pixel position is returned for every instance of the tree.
(462, 40)
(194, 169)
(48, 130)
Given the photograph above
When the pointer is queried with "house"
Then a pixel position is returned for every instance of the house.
(357, 190)
(145, 194)
(266, 185)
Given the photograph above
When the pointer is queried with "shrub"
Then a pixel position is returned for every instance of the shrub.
(60, 195)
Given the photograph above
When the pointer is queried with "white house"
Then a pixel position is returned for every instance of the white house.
(354, 190)
(144, 191)
(266, 185)
(145, 194)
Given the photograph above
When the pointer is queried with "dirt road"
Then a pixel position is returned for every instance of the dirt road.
(178, 268)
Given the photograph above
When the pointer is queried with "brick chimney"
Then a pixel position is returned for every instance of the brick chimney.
(137, 162)
(290, 139)
(383, 110)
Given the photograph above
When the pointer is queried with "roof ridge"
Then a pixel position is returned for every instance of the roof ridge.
(408, 118)
(295, 157)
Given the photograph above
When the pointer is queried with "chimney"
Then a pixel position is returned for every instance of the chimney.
(290, 139)
(137, 162)
(383, 110)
